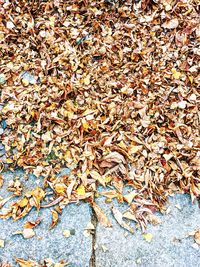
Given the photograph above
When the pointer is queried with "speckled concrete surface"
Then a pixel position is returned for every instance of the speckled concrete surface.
(169, 247)
(47, 243)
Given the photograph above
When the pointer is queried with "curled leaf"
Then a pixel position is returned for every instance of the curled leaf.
(55, 219)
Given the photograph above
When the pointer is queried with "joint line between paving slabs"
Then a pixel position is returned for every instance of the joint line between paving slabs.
(93, 256)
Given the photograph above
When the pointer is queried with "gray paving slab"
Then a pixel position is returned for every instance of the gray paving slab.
(169, 247)
(75, 249)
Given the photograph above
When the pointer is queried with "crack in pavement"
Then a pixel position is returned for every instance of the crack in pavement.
(93, 256)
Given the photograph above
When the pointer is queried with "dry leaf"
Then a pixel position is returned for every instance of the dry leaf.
(87, 80)
(101, 100)
(171, 24)
(55, 219)
(129, 197)
(80, 190)
(32, 224)
(1, 180)
(148, 237)
(28, 233)
(197, 236)
(66, 233)
(2, 243)
(5, 200)
(95, 175)
(102, 218)
(24, 263)
(119, 218)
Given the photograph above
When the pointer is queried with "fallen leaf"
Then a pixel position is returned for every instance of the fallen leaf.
(148, 237)
(197, 236)
(24, 263)
(102, 218)
(28, 233)
(87, 80)
(119, 218)
(32, 224)
(2, 243)
(176, 74)
(55, 219)
(80, 190)
(5, 200)
(66, 233)
(171, 24)
(129, 197)
(60, 188)
(1, 181)
(95, 175)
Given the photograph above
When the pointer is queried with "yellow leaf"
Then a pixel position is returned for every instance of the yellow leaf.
(60, 188)
(176, 74)
(9, 160)
(85, 124)
(54, 219)
(107, 179)
(23, 202)
(2, 243)
(87, 80)
(134, 149)
(38, 194)
(119, 218)
(190, 79)
(148, 237)
(25, 82)
(122, 145)
(80, 190)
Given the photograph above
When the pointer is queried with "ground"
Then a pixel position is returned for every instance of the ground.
(105, 247)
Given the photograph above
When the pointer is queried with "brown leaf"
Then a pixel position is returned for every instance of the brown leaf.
(32, 224)
(102, 218)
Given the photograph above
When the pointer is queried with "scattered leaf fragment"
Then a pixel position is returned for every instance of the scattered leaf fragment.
(148, 237)
(66, 233)
(2, 243)
(28, 233)
(197, 236)
(55, 219)
(87, 80)
(1, 181)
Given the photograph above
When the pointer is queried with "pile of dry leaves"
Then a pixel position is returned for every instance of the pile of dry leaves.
(108, 89)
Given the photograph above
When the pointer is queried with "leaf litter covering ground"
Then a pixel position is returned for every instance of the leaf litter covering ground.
(108, 89)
